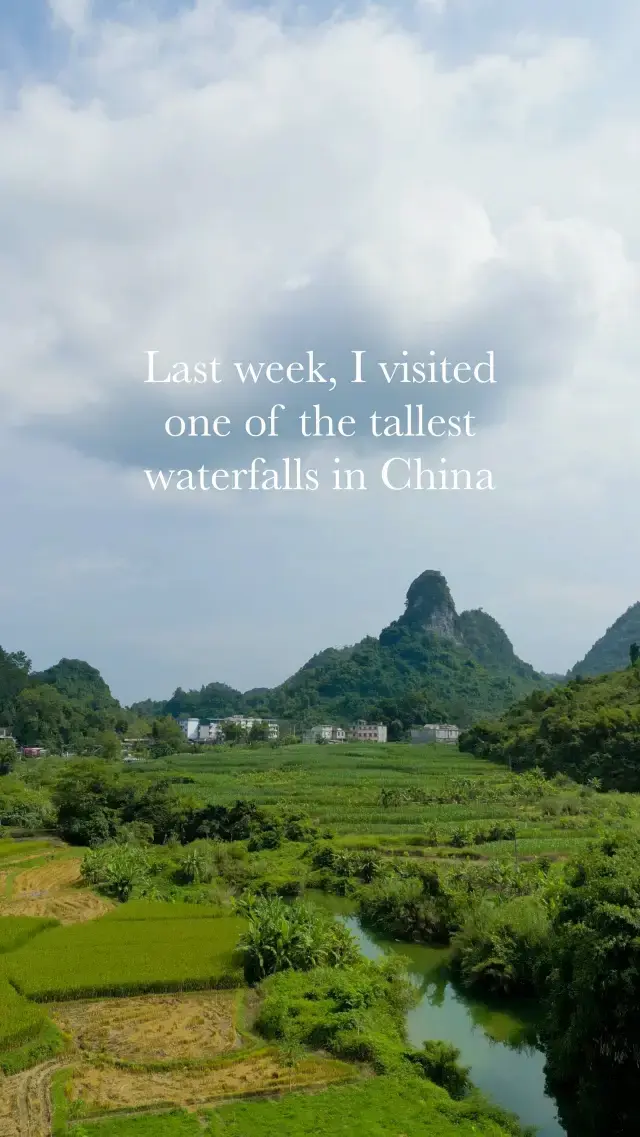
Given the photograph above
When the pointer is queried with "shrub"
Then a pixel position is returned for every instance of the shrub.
(438, 1061)
(116, 869)
(501, 945)
(281, 936)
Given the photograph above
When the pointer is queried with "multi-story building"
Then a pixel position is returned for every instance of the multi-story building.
(197, 731)
(248, 723)
(209, 732)
(325, 733)
(368, 732)
(436, 732)
(189, 727)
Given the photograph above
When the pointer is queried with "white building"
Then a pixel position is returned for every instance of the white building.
(209, 732)
(325, 733)
(5, 734)
(189, 727)
(368, 732)
(247, 724)
(436, 732)
(197, 731)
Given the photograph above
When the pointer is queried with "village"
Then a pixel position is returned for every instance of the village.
(271, 730)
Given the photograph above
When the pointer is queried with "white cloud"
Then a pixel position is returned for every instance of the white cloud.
(72, 14)
(220, 181)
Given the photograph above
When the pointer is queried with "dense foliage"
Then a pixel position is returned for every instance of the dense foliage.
(283, 937)
(592, 1030)
(587, 729)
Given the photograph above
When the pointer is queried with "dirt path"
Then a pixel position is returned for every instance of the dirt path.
(25, 1102)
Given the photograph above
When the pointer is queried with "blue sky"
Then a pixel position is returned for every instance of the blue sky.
(252, 182)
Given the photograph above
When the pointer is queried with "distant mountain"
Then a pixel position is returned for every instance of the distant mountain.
(78, 681)
(611, 651)
(431, 664)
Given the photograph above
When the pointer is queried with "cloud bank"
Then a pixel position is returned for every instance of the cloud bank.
(215, 180)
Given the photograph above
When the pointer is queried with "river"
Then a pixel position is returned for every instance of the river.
(492, 1040)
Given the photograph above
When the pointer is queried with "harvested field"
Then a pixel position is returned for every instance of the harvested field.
(68, 907)
(107, 1088)
(153, 1027)
(53, 889)
(58, 873)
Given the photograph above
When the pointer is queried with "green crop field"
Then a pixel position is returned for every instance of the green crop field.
(397, 794)
(135, 910)
(122, 957)
(19, 1019)
(18, 930)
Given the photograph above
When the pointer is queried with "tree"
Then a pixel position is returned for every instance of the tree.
(233, 732)
(116, 869)
(9, 755)
(167, 736)
(108, 745)
(634, 654)
(259, 732)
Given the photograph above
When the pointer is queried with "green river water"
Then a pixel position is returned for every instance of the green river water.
(492, 1040)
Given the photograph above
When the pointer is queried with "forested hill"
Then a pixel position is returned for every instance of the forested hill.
(611, 651)
(588, 729)
(67, 707)
(430, 664)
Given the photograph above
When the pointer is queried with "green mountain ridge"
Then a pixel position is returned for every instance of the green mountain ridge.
(431, 664)
(611, 651)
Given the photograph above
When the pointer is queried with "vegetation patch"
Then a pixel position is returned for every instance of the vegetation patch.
(111, 957)
(383, 1106)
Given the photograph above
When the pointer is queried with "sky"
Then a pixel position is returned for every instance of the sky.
(249, 182)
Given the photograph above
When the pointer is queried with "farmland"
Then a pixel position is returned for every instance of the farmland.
(124, 970)
(399, 796)
(154, 1028)
(109, 957)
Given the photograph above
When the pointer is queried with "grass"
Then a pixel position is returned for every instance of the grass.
(378, 1107)
(175, 1124)
(11, 850)
(120, 957)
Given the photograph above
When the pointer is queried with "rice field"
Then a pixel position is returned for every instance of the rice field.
(128, 957)
(153, 1028)
(16, 931)
(107, 1088)
(44, 883)
(20, 1020)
